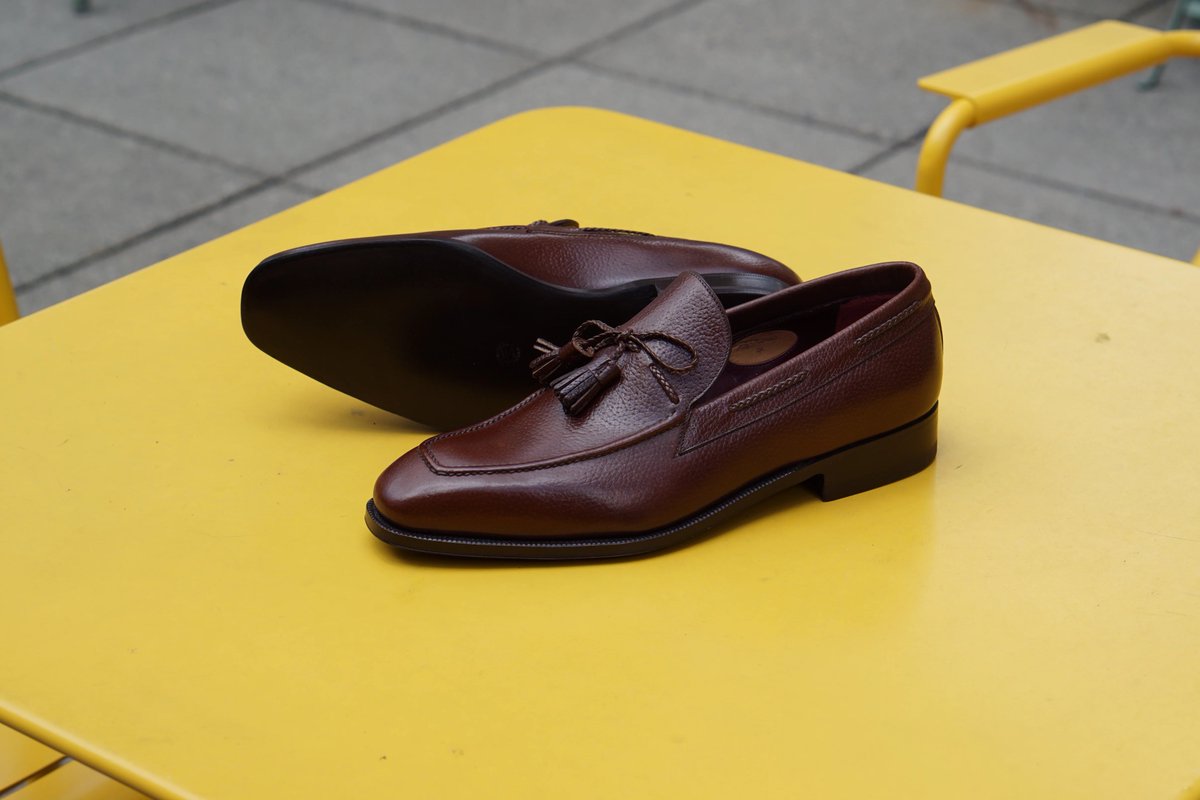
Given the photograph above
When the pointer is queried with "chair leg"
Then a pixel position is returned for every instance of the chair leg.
(1177, 17)
(939, 141)
(1151, 80)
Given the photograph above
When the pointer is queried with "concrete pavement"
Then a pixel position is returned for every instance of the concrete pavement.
(150, 126)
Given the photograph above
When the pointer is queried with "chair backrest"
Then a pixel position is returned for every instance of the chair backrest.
(1018, 79)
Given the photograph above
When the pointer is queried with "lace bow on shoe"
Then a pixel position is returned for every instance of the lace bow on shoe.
(580, 387)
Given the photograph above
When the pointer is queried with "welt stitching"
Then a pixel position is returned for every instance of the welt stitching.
(773, 389)
(889, 324)
(429, 464)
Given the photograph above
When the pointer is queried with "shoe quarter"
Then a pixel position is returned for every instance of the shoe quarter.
(822, 371)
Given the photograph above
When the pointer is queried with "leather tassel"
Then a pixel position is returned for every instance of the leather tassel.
(579, 388)
(553, 359)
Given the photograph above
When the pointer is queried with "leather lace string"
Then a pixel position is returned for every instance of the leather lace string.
(577, 389)
(595, 335)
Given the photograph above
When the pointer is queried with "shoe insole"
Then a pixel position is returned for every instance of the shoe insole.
(766, 346)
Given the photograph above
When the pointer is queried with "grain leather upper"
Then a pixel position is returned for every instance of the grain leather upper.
(563, 253)
(659, 445)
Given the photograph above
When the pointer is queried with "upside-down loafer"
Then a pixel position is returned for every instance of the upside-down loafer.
(651, 432)
(438, 327)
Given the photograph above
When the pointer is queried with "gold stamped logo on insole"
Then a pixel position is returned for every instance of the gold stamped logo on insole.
(759, 348)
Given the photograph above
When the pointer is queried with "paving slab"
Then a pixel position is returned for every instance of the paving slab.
(157, 248)
(574, 85)
(551, 27)
(1145, 229)
(31, 29)
(267, 84)
(70, 190)
(856, 68)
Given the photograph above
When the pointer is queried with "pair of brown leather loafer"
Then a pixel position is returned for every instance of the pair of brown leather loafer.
(680, 381)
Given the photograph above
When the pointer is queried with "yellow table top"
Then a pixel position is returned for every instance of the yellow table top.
(194, 606)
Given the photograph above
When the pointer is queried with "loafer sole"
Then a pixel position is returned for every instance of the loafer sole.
(434, 330)
(856, 468)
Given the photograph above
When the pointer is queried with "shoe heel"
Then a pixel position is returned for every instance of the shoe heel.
(884, 459)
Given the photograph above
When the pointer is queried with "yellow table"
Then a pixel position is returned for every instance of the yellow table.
(194, 606)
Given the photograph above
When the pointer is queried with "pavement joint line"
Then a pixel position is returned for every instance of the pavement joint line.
(165, 227)
(148, 234)
(290, 175)
(284, 178)
(1141, 8)
(888, 152)
(66, 115)
(414, 121)
(1082, 191)
(104, 38)
(758, 108)
(287, 177)
(1038, 180)
(648, 21)
(435, 28)
(785, 114)
(497, 86)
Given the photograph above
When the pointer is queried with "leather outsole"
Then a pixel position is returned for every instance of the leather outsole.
(431, 329)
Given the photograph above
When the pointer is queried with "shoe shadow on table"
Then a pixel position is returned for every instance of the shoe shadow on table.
(316, 407)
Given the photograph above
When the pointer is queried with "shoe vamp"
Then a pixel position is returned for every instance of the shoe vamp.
(640, 488)
(537, 432)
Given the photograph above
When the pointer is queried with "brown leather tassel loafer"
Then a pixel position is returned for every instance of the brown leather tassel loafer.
(651, 432)
(439, 327)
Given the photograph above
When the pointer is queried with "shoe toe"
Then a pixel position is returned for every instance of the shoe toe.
(411, 495)
(521, 504)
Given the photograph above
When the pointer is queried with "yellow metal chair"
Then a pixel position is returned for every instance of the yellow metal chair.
(8, 300)
(1024, 77)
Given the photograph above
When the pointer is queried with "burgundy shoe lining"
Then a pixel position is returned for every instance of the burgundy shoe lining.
(852, 311)
(810, 328)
